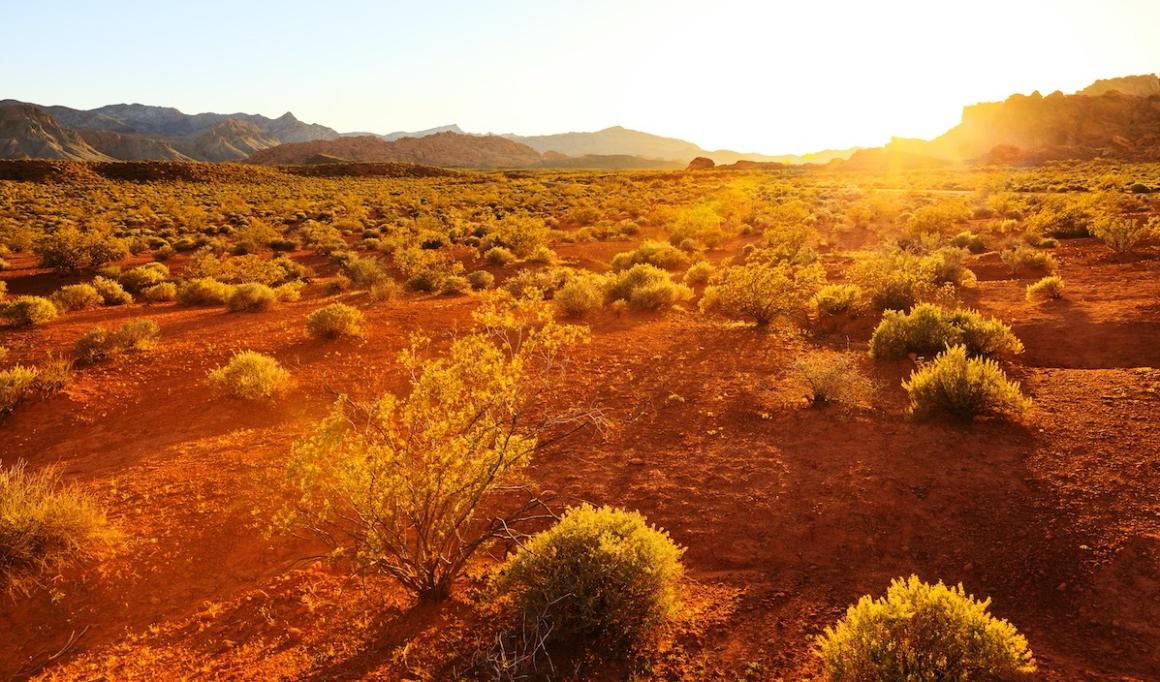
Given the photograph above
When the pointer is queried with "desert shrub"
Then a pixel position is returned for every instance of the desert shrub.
(542, 255)
(645, 287)
(68, 249)
(76, 297)
(928, 328)
(160, 293)
(99, 344)
(290, 291)
(699, 273)
(661, 254)
(832, 378)
(203, 291)
(923, 632)
(143, 276)
(499, 256)
(111, 291)
(365, 273)
(542, 283)
(384, 291)
(762, 292)
(947, 266)
(1061, 217)
(970, 241)
(1121, 234)
(698, 226)
(251, 375)
(481, 279)
(1050, 287)
(523, 235)
(895, 279)
(838, 299)
(580, 296)
(963, 386)
(454, 285)
(599, 574)
(246, 268)
(1024, 257)
(396, 484)
(16, 383)
(53, 374)
(46, 525)
(251, 297)
(335, 320)
(28, 311)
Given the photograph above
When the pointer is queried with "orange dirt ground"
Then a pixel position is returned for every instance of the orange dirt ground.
(788, 513)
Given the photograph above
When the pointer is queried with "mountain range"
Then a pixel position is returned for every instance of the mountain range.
(1115, 117)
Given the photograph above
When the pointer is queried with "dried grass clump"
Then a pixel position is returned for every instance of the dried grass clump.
(1048, 288)
(46, 525)
(100, 344)
(832, 378)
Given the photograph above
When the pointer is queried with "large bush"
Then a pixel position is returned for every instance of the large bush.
(203, 291)
(1121, 234)
(396, 484)
(28, 311)
(111, 291)
(645, 287)
(600, 574)
(763, 292)
(251, 375)
(99, 344)
(45, 525)
(76, 297)
(142, 277)
(957, 384)
(69, 249)
(929, 328)
(251, 297)
(661, 254)
(924, 633)
(580, 296)
(335, 320)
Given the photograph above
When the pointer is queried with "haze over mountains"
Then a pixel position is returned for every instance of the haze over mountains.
(1116, 117)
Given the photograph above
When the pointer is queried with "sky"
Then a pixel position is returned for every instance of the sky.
(771, 77)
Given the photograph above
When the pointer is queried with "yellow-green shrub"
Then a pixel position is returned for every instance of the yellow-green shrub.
(1121, 234)
(203, 291)
(28, 311)
(762, 292)
(661, 254)
(335, 320)
(838, 299)
(580, 296)
(99, 344)
(699, 273)
(251, 297)
(111, 291)
(929, 328)
(1050, 287)
(645, 287)
(924, 633)
(160, 293)
(963, 386)
(15, 384)
(832, 378)
(251, 375)
(600, 574)
(76, 297)
(1025, 257)
(143, 276)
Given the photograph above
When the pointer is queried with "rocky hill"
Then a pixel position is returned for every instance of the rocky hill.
(441, 149)
(136, 132)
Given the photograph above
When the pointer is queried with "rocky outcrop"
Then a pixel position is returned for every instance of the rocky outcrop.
(701, 163)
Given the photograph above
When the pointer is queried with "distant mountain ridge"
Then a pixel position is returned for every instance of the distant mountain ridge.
(446, 149)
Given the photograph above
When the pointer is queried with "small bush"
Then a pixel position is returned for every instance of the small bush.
(142, 277)
(924, 632)
(46, 525)
(699, 273)
(834, 300)
(16, 383)
(160, 293)
(499, 256)
(76, 297)
(1122, 235)
(28, 311)
(99, 344)
(335, 320)
(290, 291)
(251, 375)
(203, 291)
(600, 574)
(384, 291)
(454, 285)
(1050, 287)
(661, 254)
(1027, 258)
(646, 287)
(929, 328)
(965, 387)
(251, 298)
(111, 291)
(481, 280)
(542, 255)
(832, 378)
(580, 296)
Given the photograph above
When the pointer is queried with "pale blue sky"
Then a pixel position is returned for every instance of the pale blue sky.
(754, 76)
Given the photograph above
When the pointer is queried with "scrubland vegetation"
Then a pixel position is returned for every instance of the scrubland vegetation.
(579, 425)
